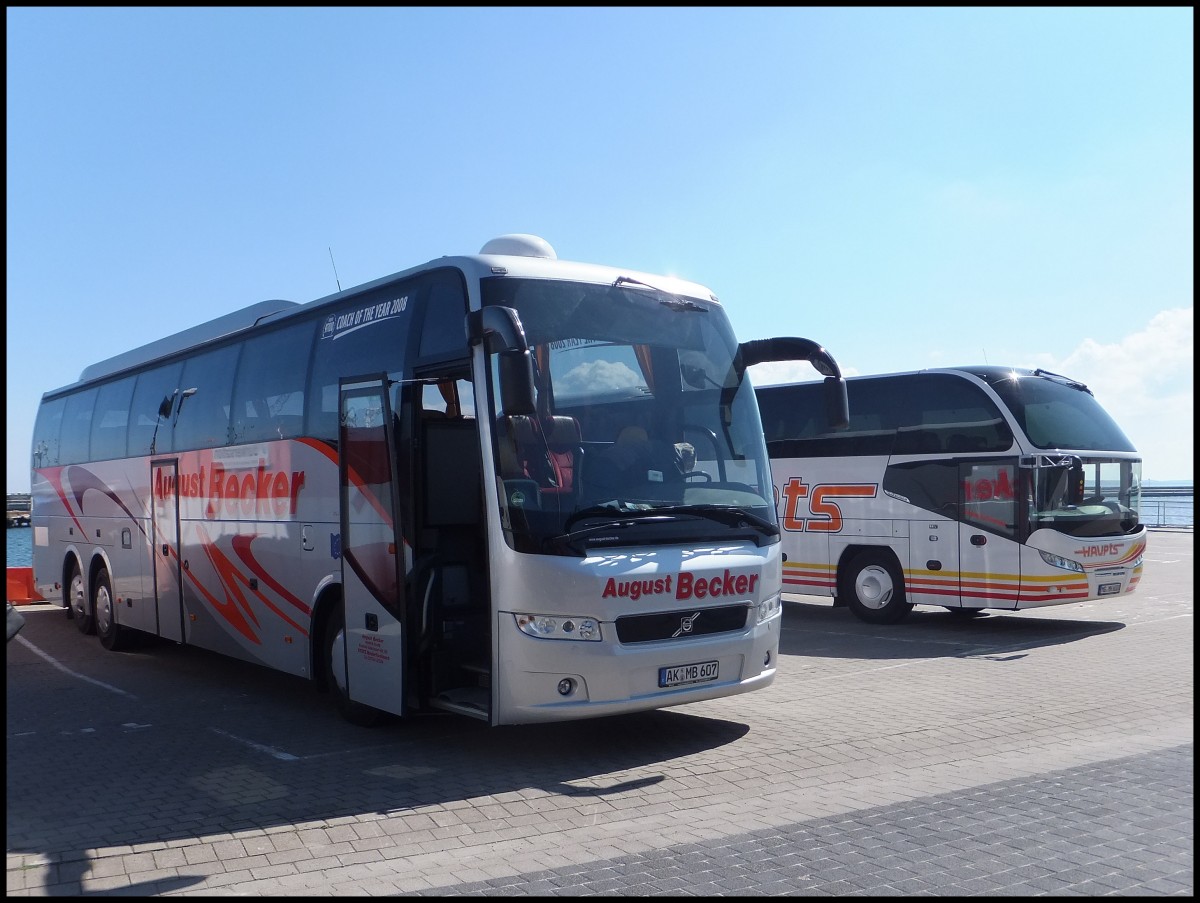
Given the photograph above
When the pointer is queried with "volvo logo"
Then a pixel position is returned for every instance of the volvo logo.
(686, 624)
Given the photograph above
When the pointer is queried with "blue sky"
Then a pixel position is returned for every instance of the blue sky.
(908, 187)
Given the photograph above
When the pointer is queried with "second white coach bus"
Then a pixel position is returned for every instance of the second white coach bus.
(505, 485)
(970, 488)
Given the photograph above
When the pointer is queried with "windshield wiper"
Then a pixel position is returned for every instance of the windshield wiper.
(621, 517)
(628, 519)
(672, 301)
(622, 510)
(724, 514)
(1062, 380)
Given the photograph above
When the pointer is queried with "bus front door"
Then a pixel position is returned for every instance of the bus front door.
(989, 558)
(371, 547)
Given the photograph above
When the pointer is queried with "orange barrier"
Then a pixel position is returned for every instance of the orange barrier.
(20, 587)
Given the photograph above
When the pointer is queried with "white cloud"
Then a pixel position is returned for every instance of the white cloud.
(604, 376)
(1145, 382)
(775, 372)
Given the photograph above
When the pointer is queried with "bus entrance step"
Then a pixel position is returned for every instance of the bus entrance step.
(464, 700)
(476, 667)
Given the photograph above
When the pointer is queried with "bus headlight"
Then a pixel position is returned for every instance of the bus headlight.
(559, 627)
(769, 607)
(1057, 561)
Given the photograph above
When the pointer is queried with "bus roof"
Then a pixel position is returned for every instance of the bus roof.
(989, 373)
(525, 256)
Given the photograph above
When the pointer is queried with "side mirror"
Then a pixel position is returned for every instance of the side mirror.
(515, 371)
(1075, 482)
(497, 328)
(837, 403)
(500, 332)
(787, 348)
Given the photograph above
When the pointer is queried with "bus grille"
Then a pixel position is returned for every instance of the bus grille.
(679, 625)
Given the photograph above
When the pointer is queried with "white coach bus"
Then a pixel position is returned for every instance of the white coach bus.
(505, 485)
(970, 488)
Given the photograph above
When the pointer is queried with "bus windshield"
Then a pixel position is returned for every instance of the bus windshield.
(1109, 506)
(1058, 413)
(644, 426)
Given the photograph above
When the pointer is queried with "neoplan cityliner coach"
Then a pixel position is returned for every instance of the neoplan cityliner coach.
(970, 488)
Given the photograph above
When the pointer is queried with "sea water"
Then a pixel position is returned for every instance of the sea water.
(20, 547)
(1176, 512)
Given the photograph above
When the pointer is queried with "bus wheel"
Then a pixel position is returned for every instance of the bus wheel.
(873, 588)
(335, 672)
(112, 635)
(78, 604)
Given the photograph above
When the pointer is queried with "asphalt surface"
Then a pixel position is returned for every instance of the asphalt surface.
(1038, 753)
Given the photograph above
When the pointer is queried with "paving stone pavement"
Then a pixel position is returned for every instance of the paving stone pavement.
(1122, 827)
(1040, 753)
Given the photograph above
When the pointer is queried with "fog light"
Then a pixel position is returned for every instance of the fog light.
(767, 659)
(566, 687)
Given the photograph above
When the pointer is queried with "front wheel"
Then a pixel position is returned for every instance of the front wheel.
(873, 587)
(335, 673)
(79, 607)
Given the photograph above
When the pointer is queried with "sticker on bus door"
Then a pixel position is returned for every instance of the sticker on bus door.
(372, 566)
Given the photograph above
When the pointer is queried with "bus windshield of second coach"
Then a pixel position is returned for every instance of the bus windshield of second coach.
(1082, 443)
(644, 426)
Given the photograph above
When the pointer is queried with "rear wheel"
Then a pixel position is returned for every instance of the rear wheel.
(873, 587)
(335, 672)
(79, 606)
(112, 635)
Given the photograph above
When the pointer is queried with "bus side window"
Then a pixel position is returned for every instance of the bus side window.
(77, 427)
(202, 418)
(148, 433)
(382, 346)
(111, 419)
(961, 443)
(46, 432)
(932, 485)
(268, 399)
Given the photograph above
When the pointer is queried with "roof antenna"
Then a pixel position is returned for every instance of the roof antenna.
(335, 275)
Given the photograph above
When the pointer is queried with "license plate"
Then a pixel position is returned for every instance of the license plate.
(1109, 589)
(679, 675)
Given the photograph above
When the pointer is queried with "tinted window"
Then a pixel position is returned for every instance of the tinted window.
(1060, 415)
(925, 413)
(110, 422)
(148, 434)
(790, 412)
(366, 334)
(932, 485)
(46, 433)
(77, 426)
(444, 332)
(937, 412)
(202, 416)
(268, 398)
